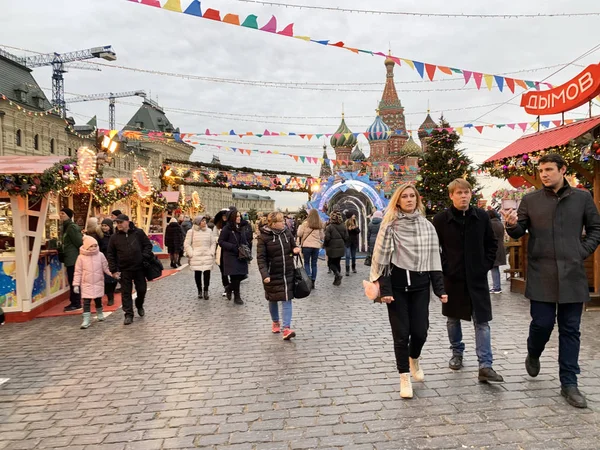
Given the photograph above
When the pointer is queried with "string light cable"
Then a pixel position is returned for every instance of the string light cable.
(424, 14)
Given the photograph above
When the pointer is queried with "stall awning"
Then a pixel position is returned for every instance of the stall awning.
(547, 139)
(171, 196)
(27, 164)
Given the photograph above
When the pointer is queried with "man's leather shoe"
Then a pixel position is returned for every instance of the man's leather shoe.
(71, 308)
(141, 312)
(488, 374)
(456, 362)
(128, 320)
(532, 365)
(573, 396)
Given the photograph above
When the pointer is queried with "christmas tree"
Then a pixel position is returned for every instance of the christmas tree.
(442, 163)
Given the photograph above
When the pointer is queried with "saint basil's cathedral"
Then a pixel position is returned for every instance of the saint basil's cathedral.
(358, 188)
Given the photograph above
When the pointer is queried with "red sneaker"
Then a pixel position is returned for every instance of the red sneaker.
(276, 327)
(288, 334)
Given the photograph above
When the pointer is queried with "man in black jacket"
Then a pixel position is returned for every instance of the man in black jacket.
(469, 249)
(127, 249)
(557, 285)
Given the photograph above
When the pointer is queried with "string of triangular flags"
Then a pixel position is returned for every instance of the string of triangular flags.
(190, 138)
(422, 68)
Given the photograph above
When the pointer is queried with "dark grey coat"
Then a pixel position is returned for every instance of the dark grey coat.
(336, 237)
(230, 241)
(499, 233)
(556, 250)
(468, 253)
(373, 230)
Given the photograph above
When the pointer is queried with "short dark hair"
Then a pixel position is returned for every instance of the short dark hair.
(553, 158)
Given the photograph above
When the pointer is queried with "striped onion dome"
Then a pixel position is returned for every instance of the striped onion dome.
(378, 131)
(344, 138)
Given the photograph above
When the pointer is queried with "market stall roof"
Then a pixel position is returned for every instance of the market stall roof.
(27, 164)
(546, 139)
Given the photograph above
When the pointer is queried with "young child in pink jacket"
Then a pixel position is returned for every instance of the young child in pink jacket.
(90, 268)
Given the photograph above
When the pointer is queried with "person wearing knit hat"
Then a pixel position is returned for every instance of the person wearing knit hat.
(88, 280)
(199, 246)
(68, 253)
(115, 213)
(336, 237)
(372, 231)
(110, 283)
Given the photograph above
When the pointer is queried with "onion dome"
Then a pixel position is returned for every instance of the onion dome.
(428, 124)
(378, 131)
(343, 137)
(411, 148)
(357, 154)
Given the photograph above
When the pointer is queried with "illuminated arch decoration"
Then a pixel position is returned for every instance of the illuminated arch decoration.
(341, 183)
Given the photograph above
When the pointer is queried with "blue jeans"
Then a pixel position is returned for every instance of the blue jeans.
(483, 341)
(496, 279)
(351, 254)
(311, 256)
(543, 316)
(286, 309)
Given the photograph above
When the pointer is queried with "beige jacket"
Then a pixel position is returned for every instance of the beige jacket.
(310, 237)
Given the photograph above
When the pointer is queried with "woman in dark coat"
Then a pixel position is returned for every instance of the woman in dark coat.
(174, 241)
(336, 237)
(373, 230)
(274, 252)
(500, 253)
(110, 283)
(230, 239)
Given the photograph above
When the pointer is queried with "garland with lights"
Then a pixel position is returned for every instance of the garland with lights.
(223, 168)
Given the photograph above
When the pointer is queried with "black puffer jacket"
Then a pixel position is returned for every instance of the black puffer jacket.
(274, 253)
(127, 251)
(174, 237)
(336, 237)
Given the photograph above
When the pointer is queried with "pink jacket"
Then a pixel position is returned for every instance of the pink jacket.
(90, 268)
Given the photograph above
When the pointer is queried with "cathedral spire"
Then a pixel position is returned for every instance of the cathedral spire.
(325, 167)
(390, 107)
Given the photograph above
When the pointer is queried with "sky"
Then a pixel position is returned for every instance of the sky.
(152, 39)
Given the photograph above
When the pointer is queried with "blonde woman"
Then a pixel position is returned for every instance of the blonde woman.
(93, 229)
(310, 237)
(406, 262)
(275, 251)
(352, 244)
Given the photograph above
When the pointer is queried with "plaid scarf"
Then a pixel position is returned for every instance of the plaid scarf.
(410, 242)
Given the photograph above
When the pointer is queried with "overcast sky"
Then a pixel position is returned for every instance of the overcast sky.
(153, 39)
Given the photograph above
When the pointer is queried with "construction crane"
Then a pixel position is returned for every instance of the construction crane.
(111, 96)
(58, 61)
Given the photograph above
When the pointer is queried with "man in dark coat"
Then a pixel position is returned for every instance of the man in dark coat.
(72, 239)
(468, 252)
(127, 249)
(557, 286)
(500, 253)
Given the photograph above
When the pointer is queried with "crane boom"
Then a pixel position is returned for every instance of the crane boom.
(111, 96)
(49, 59)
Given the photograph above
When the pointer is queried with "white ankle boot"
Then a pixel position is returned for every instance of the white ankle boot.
(405, 386)
(99, 314)
(415, 369)
(86, 320)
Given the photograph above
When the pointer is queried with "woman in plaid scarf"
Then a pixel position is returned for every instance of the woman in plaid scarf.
(406, 262)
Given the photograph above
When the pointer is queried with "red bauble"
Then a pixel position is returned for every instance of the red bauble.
(596, 146)
(598, 151)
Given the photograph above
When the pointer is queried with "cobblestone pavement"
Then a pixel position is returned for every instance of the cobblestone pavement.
(208, 374)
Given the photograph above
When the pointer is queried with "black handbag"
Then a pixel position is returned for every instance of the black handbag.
(152, 268)
(244, 251)
(368, 260)
(302, 282)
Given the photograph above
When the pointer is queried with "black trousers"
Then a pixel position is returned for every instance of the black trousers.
(127, 280)
(409, 319)
(87, 303)
(74, 298)
(568, 316)
(335, 264)
(235, 284)
(224, 278)
(198, 275)
(109, 290)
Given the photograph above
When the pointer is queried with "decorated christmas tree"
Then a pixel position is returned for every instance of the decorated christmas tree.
(442, 163)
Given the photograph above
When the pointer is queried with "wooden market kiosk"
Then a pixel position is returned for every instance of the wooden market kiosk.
(579, 144)
(32, 278)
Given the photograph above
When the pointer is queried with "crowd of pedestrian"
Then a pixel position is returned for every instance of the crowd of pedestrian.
(409, 255)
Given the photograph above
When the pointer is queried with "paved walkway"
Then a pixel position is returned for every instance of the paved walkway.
(208, 374)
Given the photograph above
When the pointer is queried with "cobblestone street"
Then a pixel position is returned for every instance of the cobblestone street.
(208, 374)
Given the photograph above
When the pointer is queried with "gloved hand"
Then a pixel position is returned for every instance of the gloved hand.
(76, 289)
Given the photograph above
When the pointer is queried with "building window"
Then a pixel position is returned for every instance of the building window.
(52, 147)
(18, 140)
(69, 151)
(36, 142)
